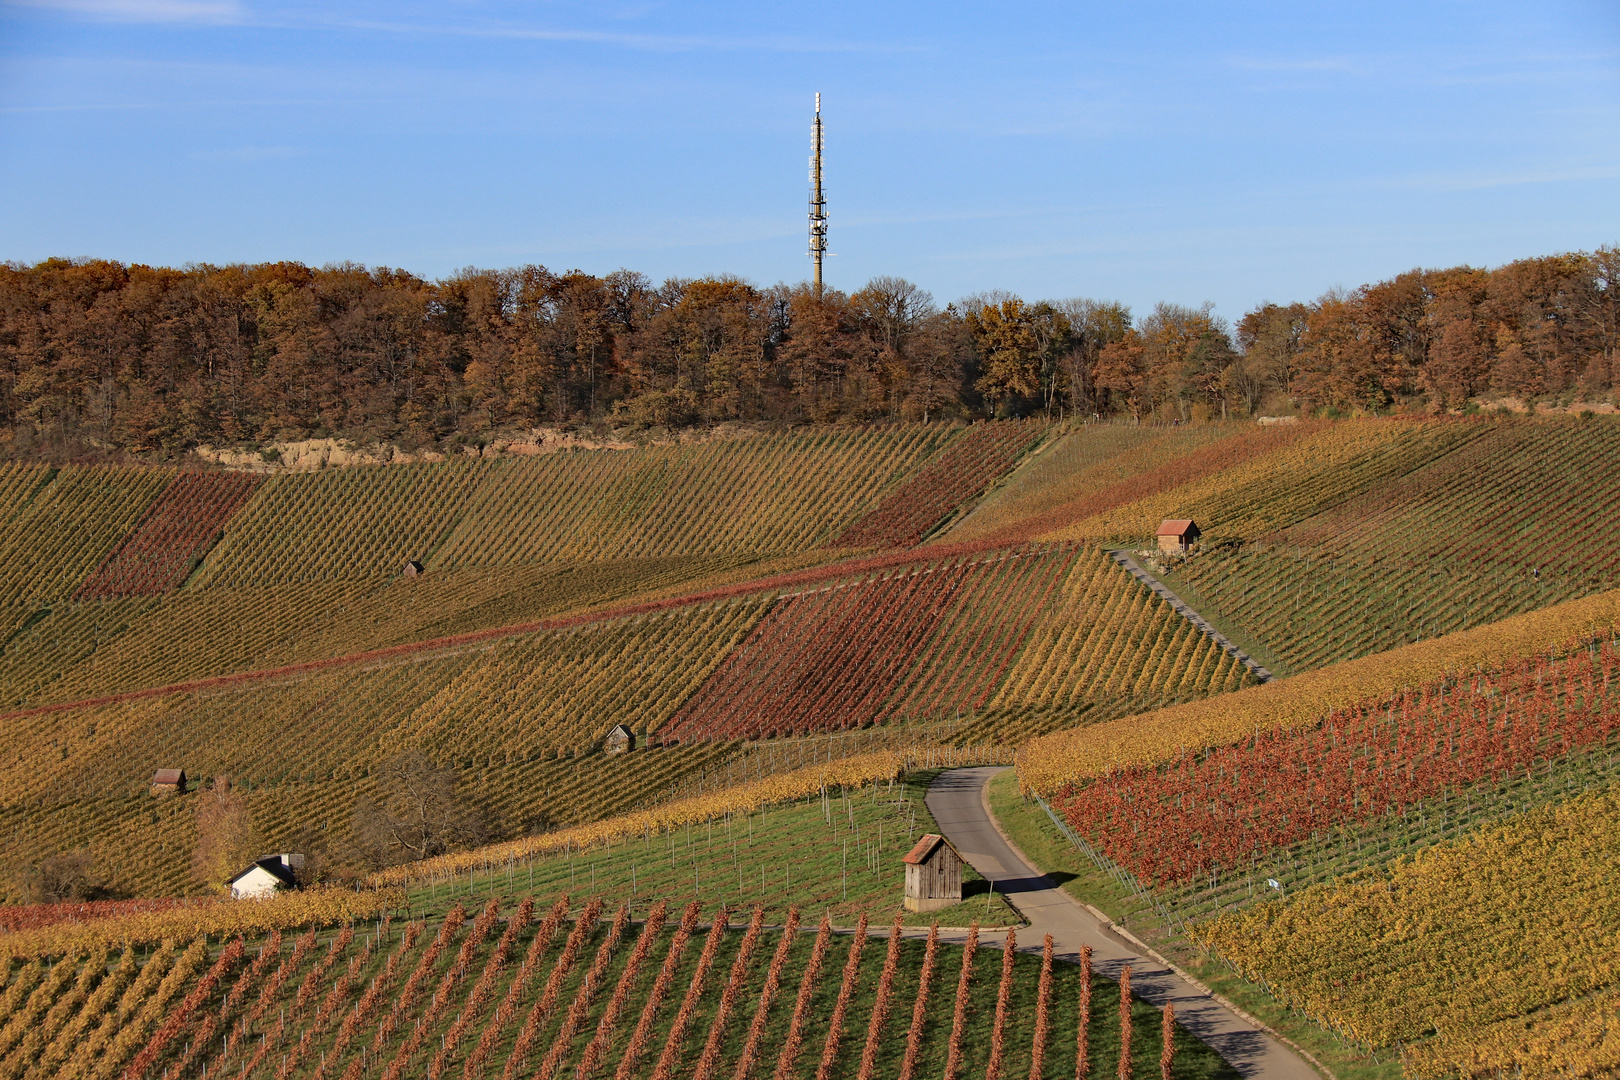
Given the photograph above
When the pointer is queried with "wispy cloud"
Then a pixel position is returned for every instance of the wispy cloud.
(655, 42)
(165, 11)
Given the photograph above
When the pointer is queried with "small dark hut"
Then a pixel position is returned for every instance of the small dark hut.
(413, 569)
(1177, 534)
(933, 874)
(169, 782)
(620, 740)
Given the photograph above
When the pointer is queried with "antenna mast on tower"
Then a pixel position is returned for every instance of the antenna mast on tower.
(818, 204)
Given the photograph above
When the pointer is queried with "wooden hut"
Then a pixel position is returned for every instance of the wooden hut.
(1177, 534)
(169, 782)
(933, 874)
(413, 569)
(620, 740)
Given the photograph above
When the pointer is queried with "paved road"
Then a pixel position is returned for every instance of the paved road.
(957, 801)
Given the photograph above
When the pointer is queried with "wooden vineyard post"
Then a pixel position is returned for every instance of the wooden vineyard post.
(919, 1011)
(1125, 1024)
(1167, 1040)
(998, 1034)
(1043, 1020)
(1082, 1040)
(953, 1056)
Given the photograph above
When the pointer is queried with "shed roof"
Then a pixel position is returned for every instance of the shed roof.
(168, 776)
(1176, 527)
(619, 729)
(925, 847)
(270, 864)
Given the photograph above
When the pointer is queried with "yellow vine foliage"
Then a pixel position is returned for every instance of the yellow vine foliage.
(1568, 1041)
(1253, 496)
(743, 798)
(309, 907)
(1048, 763)
(1459, 936)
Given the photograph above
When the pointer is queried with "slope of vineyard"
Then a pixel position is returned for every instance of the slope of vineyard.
(1323, 835)
(62, 523)
(310, 566)
(1514, 520)
(86, 650)
(1458, 936)
(1061, 629)
(1525, 495)
(1207, 818)
(170, 538)
(962, 470)
(561, 986)
(1052, 763)
(1260, 488)
(780, 493)
(1096, 467)
(1298, 609)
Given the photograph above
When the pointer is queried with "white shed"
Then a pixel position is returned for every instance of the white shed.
(264, 878)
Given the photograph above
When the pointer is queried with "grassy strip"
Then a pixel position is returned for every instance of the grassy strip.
(841, 856)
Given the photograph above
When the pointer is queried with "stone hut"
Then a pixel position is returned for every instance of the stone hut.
(413, 569)
(933, 874)
(620, 740)
(1177, 534)
(169, 782)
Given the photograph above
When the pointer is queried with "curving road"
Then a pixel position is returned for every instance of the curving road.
(958, 801)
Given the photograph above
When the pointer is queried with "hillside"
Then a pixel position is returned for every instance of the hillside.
(143, 603)
(783, 619)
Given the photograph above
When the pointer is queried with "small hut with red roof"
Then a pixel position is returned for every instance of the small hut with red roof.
(1177, 534)
(933, 874)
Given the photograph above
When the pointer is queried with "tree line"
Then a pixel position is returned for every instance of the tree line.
(97, 356)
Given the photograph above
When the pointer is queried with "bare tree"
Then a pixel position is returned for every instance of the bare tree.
(69, 876)
(418, 813)
(227, 838)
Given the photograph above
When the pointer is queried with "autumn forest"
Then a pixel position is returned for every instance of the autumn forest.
(101, 358)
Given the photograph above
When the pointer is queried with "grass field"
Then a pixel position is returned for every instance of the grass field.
(838, 855)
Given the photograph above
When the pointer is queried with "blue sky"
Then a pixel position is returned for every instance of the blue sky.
(1137, 151)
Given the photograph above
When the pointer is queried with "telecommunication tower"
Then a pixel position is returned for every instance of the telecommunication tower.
(818, 203)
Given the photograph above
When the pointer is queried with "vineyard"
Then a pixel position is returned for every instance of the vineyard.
(1450, 545)
(1051, 763)
(1509, 921)
(1524, 496)
(85, 650)
(827, 838)
(1298, 610)
(60, 524)
(580, 988)
(950, 479)
(1368, 788)
(169, 541)
(1098, 467)
(1405, 838)
(1257, 484)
